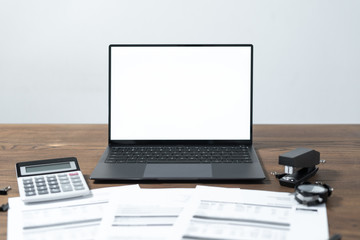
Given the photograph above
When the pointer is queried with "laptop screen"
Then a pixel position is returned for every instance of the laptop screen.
(180, 92)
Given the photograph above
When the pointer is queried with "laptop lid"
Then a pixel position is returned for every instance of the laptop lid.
(197, 94)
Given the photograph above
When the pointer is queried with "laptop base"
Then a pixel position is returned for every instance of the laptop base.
(178, 172)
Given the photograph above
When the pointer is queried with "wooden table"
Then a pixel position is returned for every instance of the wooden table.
(339, 145)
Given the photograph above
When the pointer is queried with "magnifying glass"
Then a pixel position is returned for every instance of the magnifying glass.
(312, 194)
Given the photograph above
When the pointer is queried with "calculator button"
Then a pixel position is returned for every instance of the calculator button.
(77, 184)
(53, 182)
(67, 181)
(79, 187)
(66, 187)
(28, 185)
(50, 176)
(42, 188)
(40, 184)
(28, 194)
(62, 175)
(55, 190)
(74, 174)
(27, 181)
(75, 180)
(50, 179)
(54, 187)
(30, 189)
(39, 180)
(42, 192)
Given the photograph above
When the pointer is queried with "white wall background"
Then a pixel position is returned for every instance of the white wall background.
(53, 54)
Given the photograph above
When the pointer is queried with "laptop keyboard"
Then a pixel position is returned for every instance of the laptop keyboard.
(179, 154)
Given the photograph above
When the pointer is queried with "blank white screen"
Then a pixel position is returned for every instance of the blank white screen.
(180, 93)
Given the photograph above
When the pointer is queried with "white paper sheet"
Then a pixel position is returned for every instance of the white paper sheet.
(203, 213)
(249, 214)
(143, 214)
(76, 219)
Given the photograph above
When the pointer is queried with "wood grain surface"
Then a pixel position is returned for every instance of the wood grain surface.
(339, 145)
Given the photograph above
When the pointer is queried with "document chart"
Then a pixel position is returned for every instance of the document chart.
(224, 214)
(80, 224)
(76, 218)
(143, 214)
(227, 220)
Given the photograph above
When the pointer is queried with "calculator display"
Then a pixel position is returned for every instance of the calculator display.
(46, 166)
(49, 167)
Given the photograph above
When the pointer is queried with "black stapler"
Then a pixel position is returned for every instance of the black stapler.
(300, 165)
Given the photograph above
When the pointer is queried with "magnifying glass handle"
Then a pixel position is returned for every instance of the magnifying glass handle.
(335, 237)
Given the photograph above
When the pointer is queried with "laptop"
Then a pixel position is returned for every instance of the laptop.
(180, 112)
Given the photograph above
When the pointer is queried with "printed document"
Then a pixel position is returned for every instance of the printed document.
(128, 212)
(76, 218)
(143, 214)
(249, 214)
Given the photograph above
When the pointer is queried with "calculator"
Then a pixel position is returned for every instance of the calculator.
(50, 179)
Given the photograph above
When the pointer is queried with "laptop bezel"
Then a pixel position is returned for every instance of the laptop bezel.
(181, 142)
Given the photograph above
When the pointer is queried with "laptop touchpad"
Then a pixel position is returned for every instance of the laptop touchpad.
(179, 171)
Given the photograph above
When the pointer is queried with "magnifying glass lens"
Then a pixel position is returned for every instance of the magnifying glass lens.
(311, 188)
